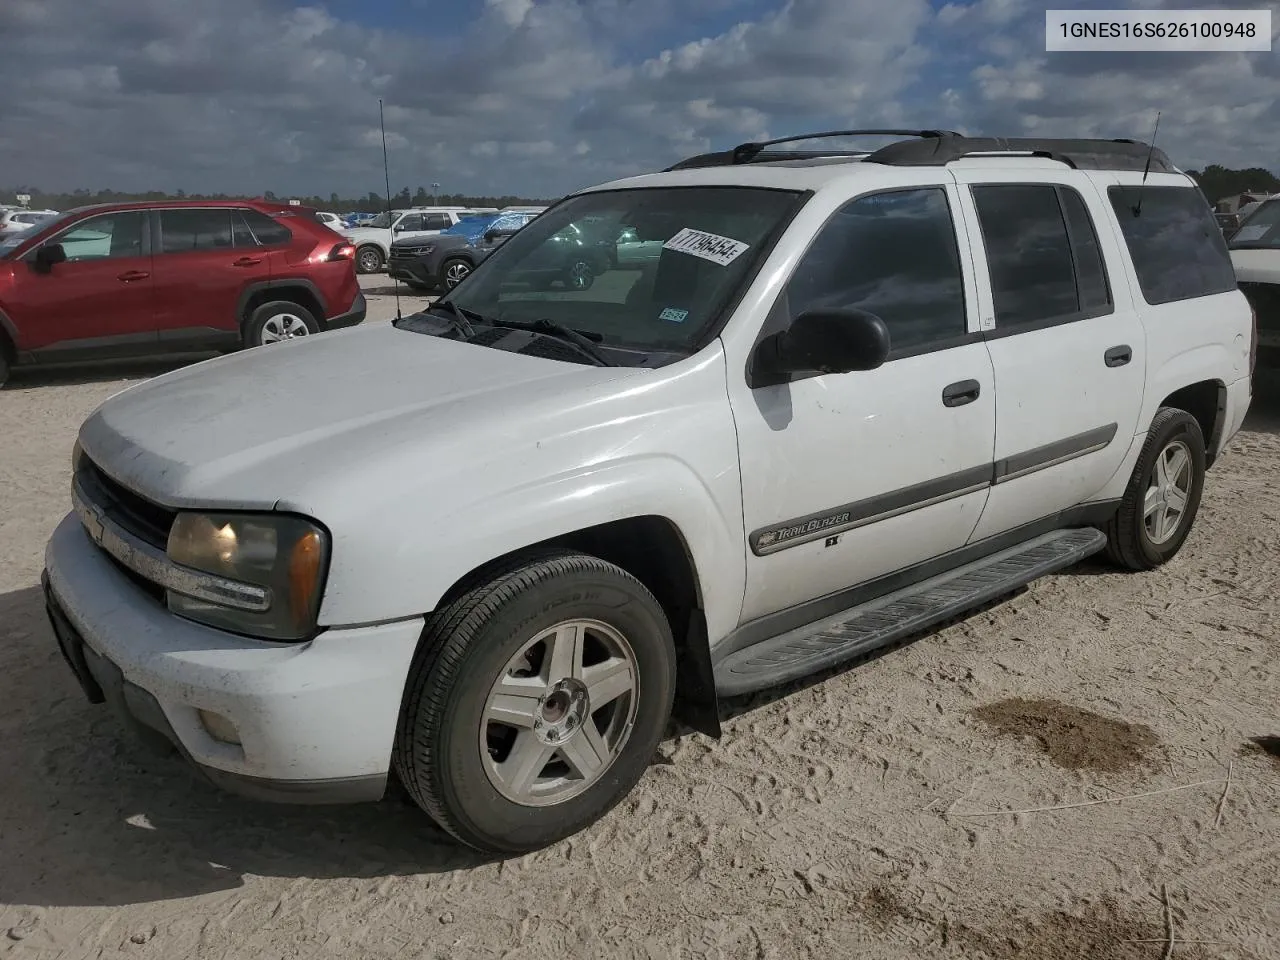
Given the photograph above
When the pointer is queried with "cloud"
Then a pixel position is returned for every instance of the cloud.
(539, 97)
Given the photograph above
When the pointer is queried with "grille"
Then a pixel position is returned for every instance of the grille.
(407, 253)
(146, 520)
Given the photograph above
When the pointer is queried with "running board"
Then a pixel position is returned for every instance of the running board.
(861, 629)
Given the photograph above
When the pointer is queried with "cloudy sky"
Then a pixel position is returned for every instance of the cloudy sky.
(539, 97)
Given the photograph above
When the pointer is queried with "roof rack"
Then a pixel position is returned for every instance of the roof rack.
(751, 152)
(928, 148)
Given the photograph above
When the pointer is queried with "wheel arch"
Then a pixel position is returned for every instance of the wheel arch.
(1206, 400)
(654, 550)
(296, 290)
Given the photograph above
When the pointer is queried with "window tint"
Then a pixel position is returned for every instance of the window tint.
(1091, 271)
(436, 221)
(891, 254)
(241, 235)
(185, 230)
(111, 235)
(267, 231)
(1028, 253)
(1177, 248)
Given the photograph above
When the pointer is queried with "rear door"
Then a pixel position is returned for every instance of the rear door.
(1066, 342)
(205, 258)
(98, 303)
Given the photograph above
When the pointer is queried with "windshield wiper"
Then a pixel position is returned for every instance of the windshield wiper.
(583, 342)
(459, 318)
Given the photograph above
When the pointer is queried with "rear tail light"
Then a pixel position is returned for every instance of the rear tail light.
(342, 251)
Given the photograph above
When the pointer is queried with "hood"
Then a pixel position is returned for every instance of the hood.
(439, 240)
(1256, 266)
(296, 421)
(366, 233)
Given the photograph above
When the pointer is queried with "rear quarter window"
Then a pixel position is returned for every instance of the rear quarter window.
(1178, 249)
(266, 231)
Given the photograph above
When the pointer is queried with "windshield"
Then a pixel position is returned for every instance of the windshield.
(1260, 230)
(382, 220)
(687, 252)
(11, 242)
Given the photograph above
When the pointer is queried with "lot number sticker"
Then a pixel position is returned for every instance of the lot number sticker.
(708, 246)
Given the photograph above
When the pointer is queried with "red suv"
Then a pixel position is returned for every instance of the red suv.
(132, 279)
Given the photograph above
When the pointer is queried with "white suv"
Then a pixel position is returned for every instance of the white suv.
(494, 544)
(373, 240)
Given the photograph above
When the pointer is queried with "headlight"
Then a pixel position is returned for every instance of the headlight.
(428, 249)
(270, 571)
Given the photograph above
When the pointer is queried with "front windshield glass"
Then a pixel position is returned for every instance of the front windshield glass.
(1260, 230)
(382, 220)
(646, 268)
(11, 242)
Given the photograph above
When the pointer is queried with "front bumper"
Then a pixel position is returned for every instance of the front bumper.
(316, 720)
(414, 271)
(355, 315)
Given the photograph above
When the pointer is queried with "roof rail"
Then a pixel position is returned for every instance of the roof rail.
(1081, 154)
(752, 152)
(928, 148)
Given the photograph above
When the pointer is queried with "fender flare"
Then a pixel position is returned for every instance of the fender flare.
(278, 283)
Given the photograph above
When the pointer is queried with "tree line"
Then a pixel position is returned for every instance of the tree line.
(1217, 183)
(371, 202)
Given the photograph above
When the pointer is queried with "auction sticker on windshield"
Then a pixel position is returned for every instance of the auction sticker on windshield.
(708, 246)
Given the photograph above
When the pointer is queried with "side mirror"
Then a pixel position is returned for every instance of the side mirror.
(826, 341)
(491, 235)
(48, 255)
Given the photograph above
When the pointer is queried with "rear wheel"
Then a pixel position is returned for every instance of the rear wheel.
(579, 276)
(369, 259)
(1163, 496)
(5, 366)
(536, 701)
(277, 321)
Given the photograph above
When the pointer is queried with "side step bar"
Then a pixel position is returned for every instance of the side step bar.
(861, 629)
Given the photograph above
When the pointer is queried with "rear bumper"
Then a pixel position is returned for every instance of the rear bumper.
(353, 316)
(316, 721)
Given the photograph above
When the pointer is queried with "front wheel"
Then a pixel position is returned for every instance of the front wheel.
(369, 260)
(1163, 496)
(536, 701)
(454, 271)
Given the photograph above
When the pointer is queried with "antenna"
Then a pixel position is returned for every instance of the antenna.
(386, 172)
(1137, 209)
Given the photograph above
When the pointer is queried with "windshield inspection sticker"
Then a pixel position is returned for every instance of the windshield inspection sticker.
(674, 315)
(708, 246)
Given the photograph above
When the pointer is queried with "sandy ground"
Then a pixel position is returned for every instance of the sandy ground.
(867, 814)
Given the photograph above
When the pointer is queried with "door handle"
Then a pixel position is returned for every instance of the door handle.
(960, 393)
(1118, 356)
(129, 275)
(246, 262)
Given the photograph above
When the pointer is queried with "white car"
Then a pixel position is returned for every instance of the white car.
(15, 221)
(331, 220)
(373, 241)
(1255, 252)
(494, 544)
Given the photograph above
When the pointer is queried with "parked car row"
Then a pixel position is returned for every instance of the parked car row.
(17, 219)
(133, 279)
(373, 240)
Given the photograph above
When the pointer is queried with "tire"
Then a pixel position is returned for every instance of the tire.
(449, 746)
(580, 276)
(453, 271)
(1139, 538)
(369, 259)
(5, 367)
(277, 321)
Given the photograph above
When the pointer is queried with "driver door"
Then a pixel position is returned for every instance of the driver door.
(848, 477)
(100, 302)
